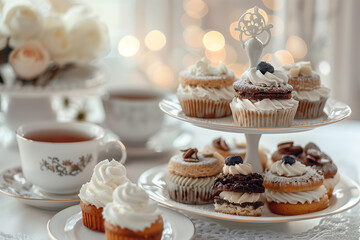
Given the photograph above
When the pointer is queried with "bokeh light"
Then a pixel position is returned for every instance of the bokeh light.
(213, 41)
(128, 46)
(190, 59)
(268, 58)
(233, 33)
(186, 20)
(216, 57)
(155, 40)
(296, 46)
(196, 8)
(283, 57)
(148, 58)
(193, 36)
(237, 68)
(274, 5)
(161, 74)
(261, 11)
(324, 68)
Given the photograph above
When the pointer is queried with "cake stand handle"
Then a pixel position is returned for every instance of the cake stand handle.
(252, 152)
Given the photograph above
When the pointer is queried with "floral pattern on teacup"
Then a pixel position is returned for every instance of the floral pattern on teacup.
(65, 167)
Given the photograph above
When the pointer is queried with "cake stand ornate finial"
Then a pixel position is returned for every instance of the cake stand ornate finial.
(252, 24)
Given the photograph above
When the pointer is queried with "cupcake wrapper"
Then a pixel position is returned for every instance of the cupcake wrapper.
(92, 217)
(309, 109)
(202, 108)
(190, 195)
(266, 118)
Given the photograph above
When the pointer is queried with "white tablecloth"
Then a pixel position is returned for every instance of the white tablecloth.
(341, 141)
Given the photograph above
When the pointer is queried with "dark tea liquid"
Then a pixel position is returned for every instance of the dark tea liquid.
(57, 136)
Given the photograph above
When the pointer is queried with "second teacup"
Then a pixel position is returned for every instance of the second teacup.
(60, 157)
(134, 114)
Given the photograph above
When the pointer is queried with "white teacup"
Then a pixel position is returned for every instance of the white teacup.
(133, 114)
(60, 157)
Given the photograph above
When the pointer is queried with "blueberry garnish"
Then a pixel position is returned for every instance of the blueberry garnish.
(288, 159)
(265, 67)
(233, 160)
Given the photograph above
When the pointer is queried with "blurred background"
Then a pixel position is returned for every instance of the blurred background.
(151, 41)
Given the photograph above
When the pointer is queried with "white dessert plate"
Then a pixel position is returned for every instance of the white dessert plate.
(74, 78)
(334, 111)
(345, 196)
(13, 184)
(67, 224)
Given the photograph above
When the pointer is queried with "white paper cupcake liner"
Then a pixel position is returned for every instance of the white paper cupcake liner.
(203, 108)
(307, 109)
(190, 195)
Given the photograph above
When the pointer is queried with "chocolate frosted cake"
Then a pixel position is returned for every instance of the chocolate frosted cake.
(240, 189)
(263, 98)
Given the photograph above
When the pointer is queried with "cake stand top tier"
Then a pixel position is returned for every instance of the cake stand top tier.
(334, 111)
(69, 80)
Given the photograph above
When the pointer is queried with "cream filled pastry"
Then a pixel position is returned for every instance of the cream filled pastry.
(293, 188)
(308, 90)
(263, 98)
(132, 214)
(240, 189)
(95, 194)
(205, 91)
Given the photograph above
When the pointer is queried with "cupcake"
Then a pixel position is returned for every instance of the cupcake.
(308, 90)
(191, 177)
(205, 91)
(240, 189)
(287, 148)
(263, 98)
(95, 194)
(226, 149)
(293, 188)
(132, 215)
(315, 158)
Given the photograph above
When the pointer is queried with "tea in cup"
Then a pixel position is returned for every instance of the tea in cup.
(60, 157)
(134, 114)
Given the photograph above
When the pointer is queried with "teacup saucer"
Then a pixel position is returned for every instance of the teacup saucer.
(13, 184)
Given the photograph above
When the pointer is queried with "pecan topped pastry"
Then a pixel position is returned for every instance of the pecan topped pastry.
(191, 176)
(239, 188)
(263, 98)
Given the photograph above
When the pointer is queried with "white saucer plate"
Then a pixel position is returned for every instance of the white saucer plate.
(13, 184)
(334, 111)
(67, 224)
(345, 196)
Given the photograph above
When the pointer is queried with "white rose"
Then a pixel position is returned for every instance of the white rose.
(89, 36)
(29, 60)
(56, 39)
(21, 22)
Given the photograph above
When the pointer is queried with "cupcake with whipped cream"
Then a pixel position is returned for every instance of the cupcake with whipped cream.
(206, 91)
(293, 188)
(95, 194)
(312, 96)
(132, 215)
(240, 189)
(263, 98)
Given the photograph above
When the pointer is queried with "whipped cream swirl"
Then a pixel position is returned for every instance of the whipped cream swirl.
(295, 197)
(203, 68)
(330, 183)
(255, 77)
(289, 170)
(244, 169)
(216, 94)
(106, 177)
(313, 95)
(131, 208)
(299, 69)
(263, 105)
(239, 197)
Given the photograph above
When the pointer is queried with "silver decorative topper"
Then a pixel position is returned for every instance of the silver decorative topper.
(251, 25)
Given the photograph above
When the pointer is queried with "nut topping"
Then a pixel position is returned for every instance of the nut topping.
(190, 155)
(220, 143)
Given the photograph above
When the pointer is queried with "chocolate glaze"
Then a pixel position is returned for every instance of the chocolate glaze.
(252, 183)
